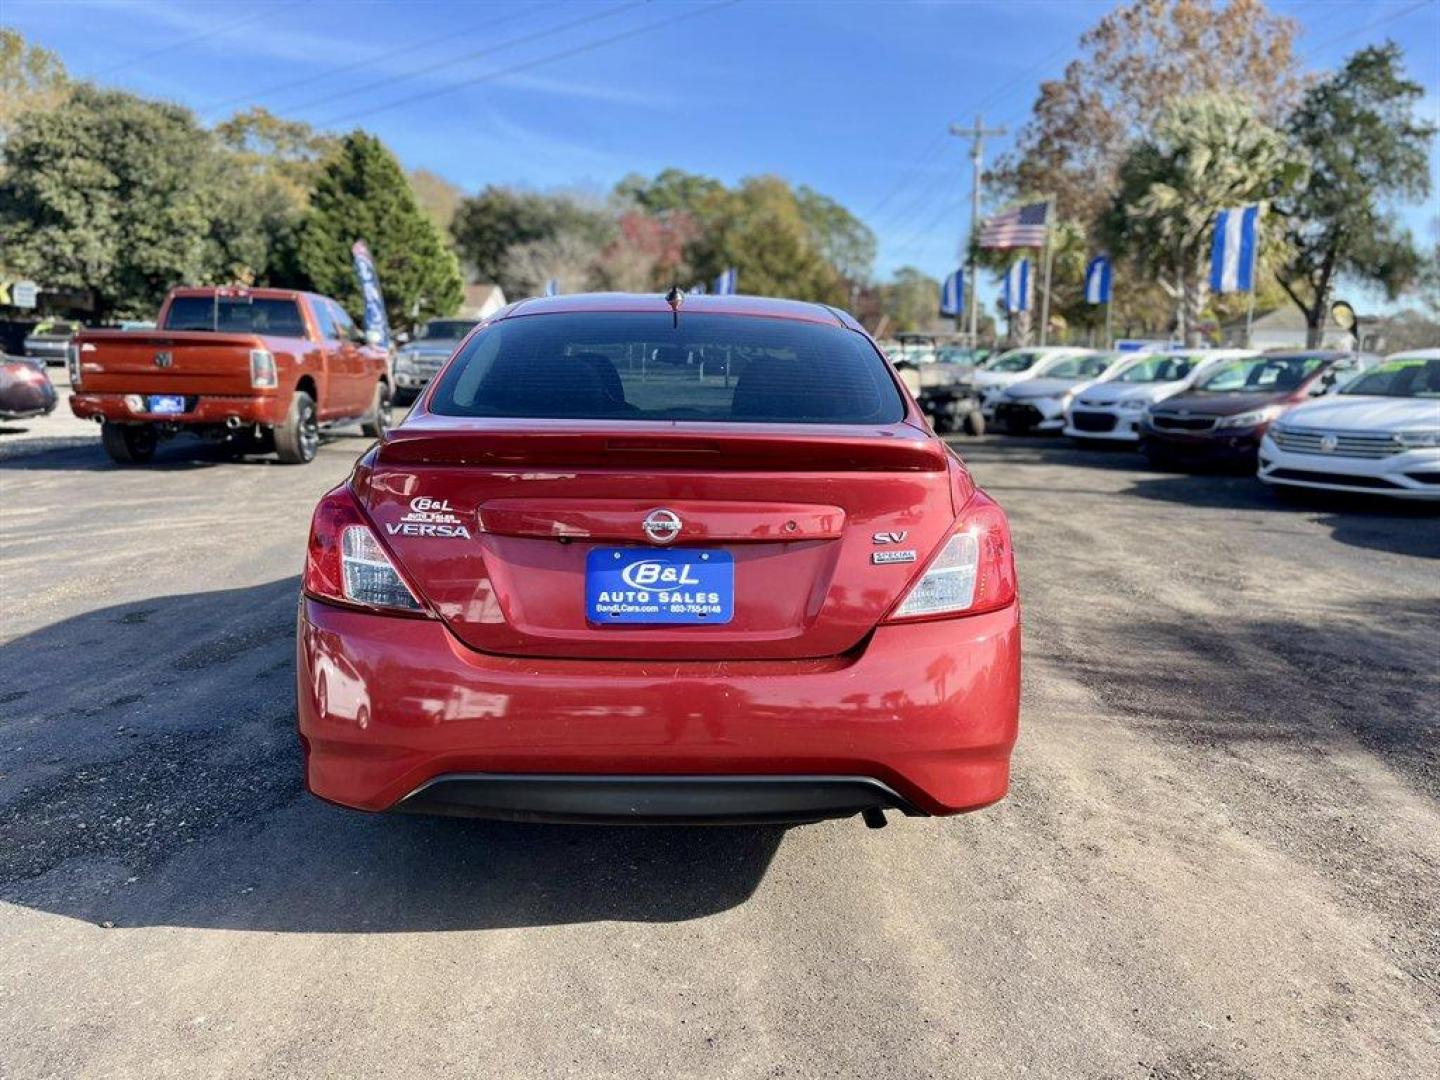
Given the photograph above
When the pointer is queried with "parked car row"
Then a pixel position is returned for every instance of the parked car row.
(1305, 418)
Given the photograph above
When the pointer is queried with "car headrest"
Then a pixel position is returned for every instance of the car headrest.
(545, 385)
(805, 389)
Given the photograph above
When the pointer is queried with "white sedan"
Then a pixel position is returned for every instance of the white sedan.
(1111, 408)
(1017, 365)
(1378, 434)
(1038, 404)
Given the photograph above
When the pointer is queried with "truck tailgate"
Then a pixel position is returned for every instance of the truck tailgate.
(169, 362)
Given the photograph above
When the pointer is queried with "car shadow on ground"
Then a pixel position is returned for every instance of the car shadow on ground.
(159, 784)
(1367, 521)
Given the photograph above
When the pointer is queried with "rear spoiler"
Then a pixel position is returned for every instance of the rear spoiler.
(437, 440)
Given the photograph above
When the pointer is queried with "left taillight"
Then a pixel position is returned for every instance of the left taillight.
(345, 563)
(973, 572)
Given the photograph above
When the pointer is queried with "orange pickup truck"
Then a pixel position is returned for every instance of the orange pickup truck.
(254, 369)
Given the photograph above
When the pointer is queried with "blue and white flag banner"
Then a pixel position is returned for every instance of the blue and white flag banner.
(1097, 280)
(951, 293)
(697, 290)
(727, 281)
(552, 287)
(1232, 254)
(1017, 287)
(375, 318)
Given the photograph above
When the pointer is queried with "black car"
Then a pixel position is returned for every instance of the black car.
(1223, 417)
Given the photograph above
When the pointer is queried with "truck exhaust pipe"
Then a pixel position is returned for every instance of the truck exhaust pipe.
(233, 422)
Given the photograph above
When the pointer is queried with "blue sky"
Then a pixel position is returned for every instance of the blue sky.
(852, 98)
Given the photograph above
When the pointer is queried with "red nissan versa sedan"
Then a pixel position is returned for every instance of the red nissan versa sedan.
(628, 563)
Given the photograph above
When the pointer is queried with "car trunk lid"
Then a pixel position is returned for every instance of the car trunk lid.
(496, 524)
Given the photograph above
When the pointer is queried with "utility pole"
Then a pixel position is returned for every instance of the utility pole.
(976, 135)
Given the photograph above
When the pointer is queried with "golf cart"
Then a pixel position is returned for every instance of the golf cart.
(939, 377)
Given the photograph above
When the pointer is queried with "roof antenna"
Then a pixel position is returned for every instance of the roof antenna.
(675, 297)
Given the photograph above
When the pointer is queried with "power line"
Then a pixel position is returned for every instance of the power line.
(256, 16)
(934, 148)
(516, 69)
(449, 35)
(429, 69)
(1313, 49)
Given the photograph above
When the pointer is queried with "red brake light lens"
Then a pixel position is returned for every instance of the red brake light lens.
(973, 572)
(345, 562)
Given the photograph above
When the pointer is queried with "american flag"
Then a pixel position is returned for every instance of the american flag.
(1018, 227)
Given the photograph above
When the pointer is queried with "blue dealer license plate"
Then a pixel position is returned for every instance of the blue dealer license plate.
(643, 585)
(165, 404)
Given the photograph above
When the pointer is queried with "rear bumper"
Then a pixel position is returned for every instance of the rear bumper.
(398, 714)
(675, 800)
(1414, 474)
(204, 409)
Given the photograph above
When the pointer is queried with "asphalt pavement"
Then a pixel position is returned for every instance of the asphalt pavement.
(1219, 858)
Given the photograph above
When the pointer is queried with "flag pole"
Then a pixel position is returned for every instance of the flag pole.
(1254, 263)
(1049, 266)
(1109, 304)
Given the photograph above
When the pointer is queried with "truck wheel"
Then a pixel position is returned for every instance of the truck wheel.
(128, 444)
(974, 423)
(297, 440)
(377, 421)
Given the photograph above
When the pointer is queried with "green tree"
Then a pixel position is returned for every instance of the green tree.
(362, 194)
(671, 189)
(31, 78)
(912, 300)
(438, 197)
(489, 224)
(1205, 154)
(844, 240)
(1366, 147)
(275, 165)
(761, 231)
(124, 197)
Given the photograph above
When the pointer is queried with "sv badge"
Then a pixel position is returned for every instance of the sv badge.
(889, 537)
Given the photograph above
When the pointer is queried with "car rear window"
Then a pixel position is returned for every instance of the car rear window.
(640, 366)
(236, 315)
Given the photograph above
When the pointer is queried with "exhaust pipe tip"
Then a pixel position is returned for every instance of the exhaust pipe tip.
(874, 817)
(233, 422)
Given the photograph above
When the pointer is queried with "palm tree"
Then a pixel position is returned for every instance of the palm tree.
(1204, 154)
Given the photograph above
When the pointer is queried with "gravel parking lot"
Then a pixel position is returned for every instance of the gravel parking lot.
(1219, 858)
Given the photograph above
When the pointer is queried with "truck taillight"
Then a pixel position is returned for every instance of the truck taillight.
(345, 562)
(72, 362)
(973, 572)
(262, 370)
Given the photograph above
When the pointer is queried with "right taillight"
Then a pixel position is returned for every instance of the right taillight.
(262, 370)
(973, 572)
(72, 362)
(346, 564)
